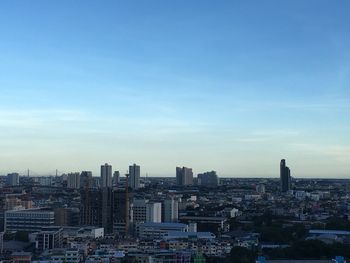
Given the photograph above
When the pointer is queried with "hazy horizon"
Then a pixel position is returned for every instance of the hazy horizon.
(230, 86)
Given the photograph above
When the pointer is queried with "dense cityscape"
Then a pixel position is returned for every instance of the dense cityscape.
(77, 217)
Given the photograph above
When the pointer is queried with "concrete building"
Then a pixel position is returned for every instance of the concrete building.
(208, 179)
(48, 238)
(13, 179)
(144, 211)
(170, 210)
(154, 212)
(106, 175)
(184, 176)
(134, 176)
(73, 180)
(29, 220)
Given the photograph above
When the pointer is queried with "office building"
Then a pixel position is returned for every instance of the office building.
(184, 176)
(208, 179)
(29, 220)
(73, 180)
(13, 179)
(285, 176)
(106, 175)
(134, 176)
(170, 210)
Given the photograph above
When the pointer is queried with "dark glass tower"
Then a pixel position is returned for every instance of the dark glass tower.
(285, 176)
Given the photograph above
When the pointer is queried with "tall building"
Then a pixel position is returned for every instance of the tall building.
(73, 180)
(96, 208)
(134, 176)
(208, 179)
(170, 210)
(121, 211)
(86, 179)
(285, 176)
(144, 211)
(116, 176)
(106, 175)
(184, 176)
(154, 212)
(13, 179)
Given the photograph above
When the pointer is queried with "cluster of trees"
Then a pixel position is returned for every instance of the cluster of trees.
(310, 249)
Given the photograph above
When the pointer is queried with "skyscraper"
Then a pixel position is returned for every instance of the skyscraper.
(86, 179)
(170, 210)
(106, 175)
(285, 176)
(184, 176)
(134, 176)
(73, 180)
(13, 179)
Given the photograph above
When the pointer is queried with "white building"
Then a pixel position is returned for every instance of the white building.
(134, 176)
(144, 211)
(13, 179)
(170, 210)
(73, 180)
(154, 212)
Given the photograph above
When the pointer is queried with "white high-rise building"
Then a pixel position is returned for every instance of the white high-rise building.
(106, 175)
(144, 211)
(73, 180)
(13, 179)
(134, 176)
(154, 212)
(170, 210)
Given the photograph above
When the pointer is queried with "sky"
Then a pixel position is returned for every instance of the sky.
(230, 86)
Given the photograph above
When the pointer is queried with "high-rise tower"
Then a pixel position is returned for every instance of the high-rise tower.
(285, 176)
(134, 176)
(106, 175)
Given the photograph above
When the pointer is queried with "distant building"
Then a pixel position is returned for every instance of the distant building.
(29, 220)
(170, 210)
(260, 188)
(209, 179)
(73, 180)
(285, 176)
(184, 176)
(158, 230)
(106, 175)
(134, 176)
(13, 179)
(86, 179)
(67, 216)
(116, 176)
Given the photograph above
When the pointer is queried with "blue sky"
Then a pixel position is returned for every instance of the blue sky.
(231, 86)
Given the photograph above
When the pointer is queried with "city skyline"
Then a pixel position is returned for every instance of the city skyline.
(233, 87)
